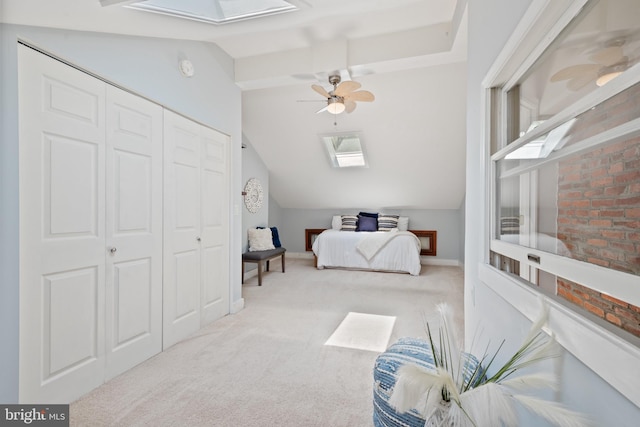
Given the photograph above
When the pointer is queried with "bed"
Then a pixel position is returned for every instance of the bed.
(395, 251)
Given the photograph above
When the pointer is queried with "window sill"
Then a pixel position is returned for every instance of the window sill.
(608, 355)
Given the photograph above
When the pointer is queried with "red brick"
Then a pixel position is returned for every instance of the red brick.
(611, 234)
(594, 192)
(580, 203)
(632, 213)
(593, 309)
(577, 301)
(613, 319)
(615, 300)
(623, 246)
(597, 242)
(632, 176)
(595, 173)
(603, 203)
(615, 191)
(600, 223)
(628, 201)
(605, 181)
(618, 213)
(616, 168)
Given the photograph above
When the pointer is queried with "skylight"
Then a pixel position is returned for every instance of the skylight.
(215, 11)
(345, 150)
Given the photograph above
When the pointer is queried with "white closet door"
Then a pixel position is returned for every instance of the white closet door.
(215, 229)
(182, 238)
(133, 230)
(62, 240)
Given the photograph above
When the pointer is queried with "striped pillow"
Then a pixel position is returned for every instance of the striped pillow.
(387, 222)
(349, 222)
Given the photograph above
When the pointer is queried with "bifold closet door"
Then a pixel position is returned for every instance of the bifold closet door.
(196, 230)
(62, 230)
(182, 239)
(90, 191)
(134, 230)
(215, 225)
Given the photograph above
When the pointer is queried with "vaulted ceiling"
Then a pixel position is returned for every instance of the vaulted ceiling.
(411, 54)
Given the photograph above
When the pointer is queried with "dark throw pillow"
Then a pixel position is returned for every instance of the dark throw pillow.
(367, 223)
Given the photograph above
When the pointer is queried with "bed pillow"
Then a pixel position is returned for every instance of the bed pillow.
(336, 222)
(387, 222)
(275, 237)
(371, 215)
(403, 223)
(367, 223)
(260, 239)
(349, 222)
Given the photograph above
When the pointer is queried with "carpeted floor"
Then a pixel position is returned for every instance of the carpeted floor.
(268, 365)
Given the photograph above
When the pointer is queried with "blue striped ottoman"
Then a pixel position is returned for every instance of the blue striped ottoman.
(406, 350)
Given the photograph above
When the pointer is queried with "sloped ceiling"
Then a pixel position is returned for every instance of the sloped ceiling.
(410, 53)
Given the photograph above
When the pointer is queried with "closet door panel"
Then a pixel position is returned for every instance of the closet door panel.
(215, 229)
(181, 312)
(62, 239)
(134, 230)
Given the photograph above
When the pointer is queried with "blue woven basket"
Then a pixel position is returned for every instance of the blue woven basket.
(406, 350)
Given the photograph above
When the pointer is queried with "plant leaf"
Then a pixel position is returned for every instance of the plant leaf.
(532, 382)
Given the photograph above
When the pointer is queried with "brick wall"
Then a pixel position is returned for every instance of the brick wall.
(599, 208)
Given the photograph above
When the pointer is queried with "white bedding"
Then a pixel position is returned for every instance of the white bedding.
(389, 251)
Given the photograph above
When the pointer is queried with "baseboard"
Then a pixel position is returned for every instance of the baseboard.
(237, 306)
(440, 261)
(301, 255)
(424, 260)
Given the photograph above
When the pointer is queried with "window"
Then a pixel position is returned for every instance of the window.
(215, 11)
(566, 165)
(345, 150)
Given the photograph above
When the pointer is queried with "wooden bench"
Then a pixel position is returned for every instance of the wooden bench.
(260, 257)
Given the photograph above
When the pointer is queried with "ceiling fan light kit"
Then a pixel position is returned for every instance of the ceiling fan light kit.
(335, 105)
(609, 73)
(344, 95)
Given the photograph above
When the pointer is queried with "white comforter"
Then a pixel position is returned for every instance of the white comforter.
(380, 250)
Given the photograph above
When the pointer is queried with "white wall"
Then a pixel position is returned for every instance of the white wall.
(146, 66)
(254, 167)
(491, 22)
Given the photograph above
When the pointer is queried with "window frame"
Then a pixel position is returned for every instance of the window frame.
(615, 354)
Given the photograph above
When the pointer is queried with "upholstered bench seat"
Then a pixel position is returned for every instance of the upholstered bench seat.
(261, 257)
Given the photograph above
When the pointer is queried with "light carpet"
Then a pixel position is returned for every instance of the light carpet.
(268, 365)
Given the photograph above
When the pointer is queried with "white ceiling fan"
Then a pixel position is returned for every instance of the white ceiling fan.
(607, 64)
(344, 95)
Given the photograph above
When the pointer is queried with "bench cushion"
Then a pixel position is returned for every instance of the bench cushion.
(262, 255)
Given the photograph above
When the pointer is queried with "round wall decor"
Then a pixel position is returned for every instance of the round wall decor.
(253, 195)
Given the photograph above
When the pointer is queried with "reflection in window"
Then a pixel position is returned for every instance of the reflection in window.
(572, 187)
(602, 43)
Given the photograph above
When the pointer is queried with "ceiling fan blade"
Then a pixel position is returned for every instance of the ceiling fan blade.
(608, 56)
(347, 87)
(361, 95)
(578, 83)
(321, 90)
(349, 105)
(575, 71)
(323, 109)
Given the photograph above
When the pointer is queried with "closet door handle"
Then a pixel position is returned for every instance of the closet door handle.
(198, 239)
(113, 250)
